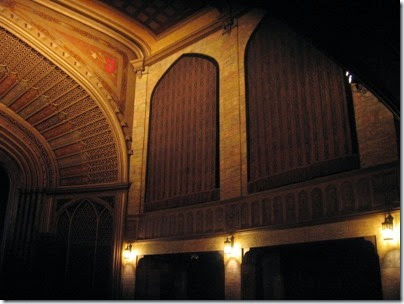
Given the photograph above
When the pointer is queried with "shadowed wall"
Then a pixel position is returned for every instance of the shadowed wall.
(299, 110)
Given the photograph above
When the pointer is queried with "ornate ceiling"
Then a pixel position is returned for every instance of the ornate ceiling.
(157, 15)
(61, 110)
(99, 43)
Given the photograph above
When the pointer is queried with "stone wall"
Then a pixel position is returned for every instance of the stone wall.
(375, 129)
(227, 48)
(374, 123)
(344, 205)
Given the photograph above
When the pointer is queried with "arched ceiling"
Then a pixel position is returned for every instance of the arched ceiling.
(151, 26)
(362, 36)
(96, 42)
(24, 154)
(61, 110)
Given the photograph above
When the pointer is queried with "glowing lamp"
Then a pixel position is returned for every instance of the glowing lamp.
(387, 227)
(128, 253)
(229, 245)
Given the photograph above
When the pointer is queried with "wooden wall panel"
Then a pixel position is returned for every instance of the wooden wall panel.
(182, 163)
(298, 110)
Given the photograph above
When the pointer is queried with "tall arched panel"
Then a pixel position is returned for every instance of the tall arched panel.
(182, 161)
(299, 110)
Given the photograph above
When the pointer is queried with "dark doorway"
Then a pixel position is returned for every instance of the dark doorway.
(196, 276)
(4, 193)
(331, 270)
(5, 280)
(84, 245)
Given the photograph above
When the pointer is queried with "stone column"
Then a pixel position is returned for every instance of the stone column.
(390, 275)
(232, 275)
(389, 259)
(129, 278)
(139, 145)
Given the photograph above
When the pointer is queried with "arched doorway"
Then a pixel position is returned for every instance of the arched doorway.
(4, 195)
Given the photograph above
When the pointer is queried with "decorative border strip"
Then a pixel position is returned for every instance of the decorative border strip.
(323, 199)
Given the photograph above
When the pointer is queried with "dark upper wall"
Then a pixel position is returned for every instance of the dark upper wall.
(299, 105)
(362, 36)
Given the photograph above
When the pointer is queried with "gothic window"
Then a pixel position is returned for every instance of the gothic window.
(84, 230)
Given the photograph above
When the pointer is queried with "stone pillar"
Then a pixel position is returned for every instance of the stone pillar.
(137, 160)
(232, 275)
(129, 278)
(389, 259)
(229, 120)
(390, 275)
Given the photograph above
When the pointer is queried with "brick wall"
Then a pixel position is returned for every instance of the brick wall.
(375, 126)
(375, 130)
(227, 48)
(376, 140)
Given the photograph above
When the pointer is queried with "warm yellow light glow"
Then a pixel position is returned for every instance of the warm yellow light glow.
(232, 250)
(229, 245)
(388, 234)
(129, 254)
(387, 227)
(228, 249)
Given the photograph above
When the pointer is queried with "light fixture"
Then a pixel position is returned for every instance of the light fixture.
(229, 245)
(128, 254)
(349, 76)
(387, 227)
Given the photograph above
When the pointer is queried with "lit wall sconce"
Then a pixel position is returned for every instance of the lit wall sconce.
(229, 245)
(387, 227)
(129, 254)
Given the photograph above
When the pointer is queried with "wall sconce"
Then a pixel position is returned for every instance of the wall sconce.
(387, 227)
(128, 253)
(229, 245)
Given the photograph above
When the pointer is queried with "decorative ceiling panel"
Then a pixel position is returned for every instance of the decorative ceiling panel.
(61, 110)
(157, 15)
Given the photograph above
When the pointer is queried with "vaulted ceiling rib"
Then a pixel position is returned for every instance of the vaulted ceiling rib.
(63, 112)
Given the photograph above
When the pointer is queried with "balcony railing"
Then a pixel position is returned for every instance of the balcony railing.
(320, 200)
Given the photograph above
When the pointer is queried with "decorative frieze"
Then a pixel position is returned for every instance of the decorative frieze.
(323, 199)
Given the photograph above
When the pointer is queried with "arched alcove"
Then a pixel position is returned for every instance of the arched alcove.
(300, 122)
(183, 147)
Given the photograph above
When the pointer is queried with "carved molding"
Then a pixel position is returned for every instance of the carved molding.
(75, 125)
(35, 145)
(322, 200)
(79, 11)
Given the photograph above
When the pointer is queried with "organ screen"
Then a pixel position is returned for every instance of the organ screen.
(182, 162)
(299, 110)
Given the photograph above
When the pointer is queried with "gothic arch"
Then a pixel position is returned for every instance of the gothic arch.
(92, 92)
(84, 230)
